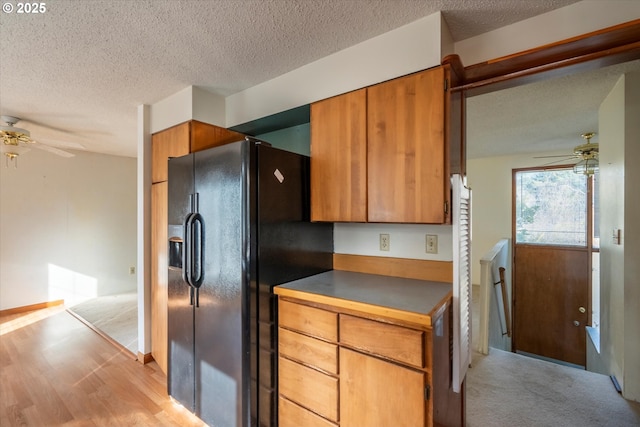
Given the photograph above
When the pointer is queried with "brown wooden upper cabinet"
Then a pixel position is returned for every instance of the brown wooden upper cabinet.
(183, 139)
(380, 154)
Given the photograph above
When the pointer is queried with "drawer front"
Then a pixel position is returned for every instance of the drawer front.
(309, 351)
(309, 388)
(292, 415)
(394, 342)
(308, 320)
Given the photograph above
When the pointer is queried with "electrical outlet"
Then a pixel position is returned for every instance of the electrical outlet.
(385, 242)
(431, 243)
(132, 270)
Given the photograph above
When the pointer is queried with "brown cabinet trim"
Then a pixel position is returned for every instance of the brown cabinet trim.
(607, 46)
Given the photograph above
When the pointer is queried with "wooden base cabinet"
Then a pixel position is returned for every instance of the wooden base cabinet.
(346, 368)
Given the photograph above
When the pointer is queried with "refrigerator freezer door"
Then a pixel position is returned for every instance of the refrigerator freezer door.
(180, 376)
(221, 389)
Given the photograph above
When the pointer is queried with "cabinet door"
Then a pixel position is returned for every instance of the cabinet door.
(375, 393)
(406, 149)
(159, 279)
(339, 158)
(204, 135)
(172, 142)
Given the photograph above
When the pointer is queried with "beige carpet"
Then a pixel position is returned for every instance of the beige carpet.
(115, 316)
(507, 389)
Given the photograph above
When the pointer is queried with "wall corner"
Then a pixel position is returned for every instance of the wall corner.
(144, 228)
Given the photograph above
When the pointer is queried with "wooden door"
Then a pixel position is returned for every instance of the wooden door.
(406, 152)
(552, 268)
(551, 302)
(376, 393)
(339, 158)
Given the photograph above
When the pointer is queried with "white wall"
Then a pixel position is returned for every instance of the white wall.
(404, 50)
(620, 208)
(191, 103)
(611, 118)
(406, 240)
(143, 239)
(66, 224)
(632, 243)
(560, 24)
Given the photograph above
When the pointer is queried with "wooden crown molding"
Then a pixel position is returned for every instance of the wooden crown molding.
(608, 46)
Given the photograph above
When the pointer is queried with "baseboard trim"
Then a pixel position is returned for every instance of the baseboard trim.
(145, 358)
(122, 348)
(31, 307)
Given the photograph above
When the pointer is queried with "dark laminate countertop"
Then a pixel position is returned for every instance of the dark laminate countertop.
(404, 299)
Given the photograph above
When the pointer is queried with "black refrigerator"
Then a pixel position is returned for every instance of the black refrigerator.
(239, 224)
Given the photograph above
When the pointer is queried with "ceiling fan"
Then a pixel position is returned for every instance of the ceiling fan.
(17, 141)
(586, 153)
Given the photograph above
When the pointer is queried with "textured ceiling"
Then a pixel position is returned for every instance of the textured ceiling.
(77, 72)
(544, 116)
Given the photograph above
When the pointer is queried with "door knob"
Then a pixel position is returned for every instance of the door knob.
(582, 310)
(576, 323)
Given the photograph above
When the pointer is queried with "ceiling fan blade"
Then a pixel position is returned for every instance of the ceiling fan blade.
(62, 144)
(53, 150)
(37, 127)
(559, 155)
(559, 161)
(33, 123)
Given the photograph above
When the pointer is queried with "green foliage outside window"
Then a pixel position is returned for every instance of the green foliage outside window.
(551, 207)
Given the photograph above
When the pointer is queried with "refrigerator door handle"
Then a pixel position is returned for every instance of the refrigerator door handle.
(197, 254)
(187, 253)
(185, 249)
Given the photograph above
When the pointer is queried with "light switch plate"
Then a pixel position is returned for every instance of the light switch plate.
(616, 236)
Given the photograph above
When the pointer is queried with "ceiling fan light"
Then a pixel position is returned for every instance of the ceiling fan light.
(14, 131)
(12, 152)
(13, 149)
(586, 166)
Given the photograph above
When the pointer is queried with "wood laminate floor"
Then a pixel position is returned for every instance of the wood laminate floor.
(54, 371)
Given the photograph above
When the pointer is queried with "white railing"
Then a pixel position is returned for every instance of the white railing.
(495, 298)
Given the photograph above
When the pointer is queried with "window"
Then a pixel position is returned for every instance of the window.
(551, 207)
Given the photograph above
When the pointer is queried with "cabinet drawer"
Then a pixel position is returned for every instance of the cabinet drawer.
(309, 351)
(394, 342)
(309, 388)
(308, 320)
(292, 415)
